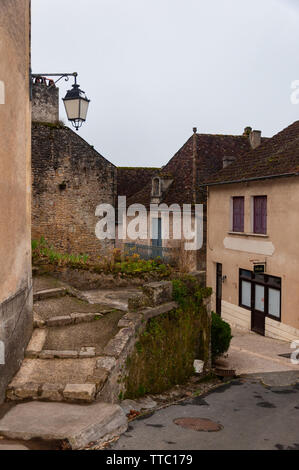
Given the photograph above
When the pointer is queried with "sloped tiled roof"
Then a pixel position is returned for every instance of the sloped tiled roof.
(131, 180)
(275, 157)
(210, 149)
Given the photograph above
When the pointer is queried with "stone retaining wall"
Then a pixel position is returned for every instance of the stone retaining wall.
(155, 300)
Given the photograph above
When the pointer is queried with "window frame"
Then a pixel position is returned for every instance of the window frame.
(234, 199)
(265, 280)
(264, 223)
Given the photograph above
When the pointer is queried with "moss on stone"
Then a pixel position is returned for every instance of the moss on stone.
(57, 125)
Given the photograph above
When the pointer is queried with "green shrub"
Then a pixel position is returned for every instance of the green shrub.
(44, 253)
(164, 353)
(114, 263)
(187, 291)
(221, 336)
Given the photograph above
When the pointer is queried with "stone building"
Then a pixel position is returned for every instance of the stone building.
(69, 180)
(178, 183)
(15, 188)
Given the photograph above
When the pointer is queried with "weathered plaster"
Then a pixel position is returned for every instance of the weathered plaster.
(279, 249)
(250, 246)
(15, 179)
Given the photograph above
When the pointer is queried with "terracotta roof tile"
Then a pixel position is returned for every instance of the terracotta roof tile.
(275, 157)
(210, 149)
(132, 180)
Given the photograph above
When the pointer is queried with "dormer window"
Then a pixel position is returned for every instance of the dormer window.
(156, 187)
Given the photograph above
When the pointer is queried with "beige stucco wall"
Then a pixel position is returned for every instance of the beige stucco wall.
(15, 184)
(279, 249)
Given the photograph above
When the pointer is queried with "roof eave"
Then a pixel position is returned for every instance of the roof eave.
(245, 180)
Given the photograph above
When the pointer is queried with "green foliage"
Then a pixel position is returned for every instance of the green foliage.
(114, 263)
(133, 265)
(43, 253)
(166, 350)
(221, 336)
(187, 292)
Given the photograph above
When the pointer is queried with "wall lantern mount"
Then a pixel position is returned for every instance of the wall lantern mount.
(75, 101)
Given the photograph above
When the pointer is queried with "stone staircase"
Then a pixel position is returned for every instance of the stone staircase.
(71, 380)
(75, 373)
(80, 356)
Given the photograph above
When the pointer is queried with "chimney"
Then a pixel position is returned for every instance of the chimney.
(228, 160)
(255, 139)
(45, 101)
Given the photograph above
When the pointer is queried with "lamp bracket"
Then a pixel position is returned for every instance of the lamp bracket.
(60, 75)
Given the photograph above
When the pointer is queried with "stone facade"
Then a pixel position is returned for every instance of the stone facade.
(70, 179)
(45, 101)
(15, 188)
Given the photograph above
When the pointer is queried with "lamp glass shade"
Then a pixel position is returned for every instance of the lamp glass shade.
(83, 108)
(72, 109)
(76, 105)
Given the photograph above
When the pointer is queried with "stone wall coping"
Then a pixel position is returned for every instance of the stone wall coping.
(149, 312)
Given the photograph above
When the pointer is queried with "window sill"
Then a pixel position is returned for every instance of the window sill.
(245, 234)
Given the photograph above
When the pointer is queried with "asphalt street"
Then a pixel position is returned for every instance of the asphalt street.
(252, 416)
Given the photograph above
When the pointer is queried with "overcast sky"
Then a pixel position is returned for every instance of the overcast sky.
(154, 69)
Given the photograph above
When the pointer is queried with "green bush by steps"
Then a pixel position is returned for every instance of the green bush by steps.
(164, 355)
(221, 336)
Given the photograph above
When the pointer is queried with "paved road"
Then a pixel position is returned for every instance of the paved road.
(253, 416)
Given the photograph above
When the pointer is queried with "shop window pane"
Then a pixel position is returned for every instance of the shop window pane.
(274, 303)
(246, 294)
(260, 298)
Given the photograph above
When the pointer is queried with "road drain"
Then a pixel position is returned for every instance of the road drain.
(198, 424)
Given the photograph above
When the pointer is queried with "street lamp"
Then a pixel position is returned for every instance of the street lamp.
(75, 101)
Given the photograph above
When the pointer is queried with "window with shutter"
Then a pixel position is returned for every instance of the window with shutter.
(238, 214)
(260, 215)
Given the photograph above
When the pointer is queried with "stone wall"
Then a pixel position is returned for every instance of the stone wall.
(125, 365)
(15, 187)
(45, 101)
(70, 179)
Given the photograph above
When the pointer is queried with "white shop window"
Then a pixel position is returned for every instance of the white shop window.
(246, 294)
(274, 303)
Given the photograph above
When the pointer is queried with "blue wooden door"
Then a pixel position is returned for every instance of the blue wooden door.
(157, 237)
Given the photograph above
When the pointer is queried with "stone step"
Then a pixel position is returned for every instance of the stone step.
(52, 371)
(82, 353)
(75, 424)
(64, 320)
(49, 293)
(79, 380)
(73, 393)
